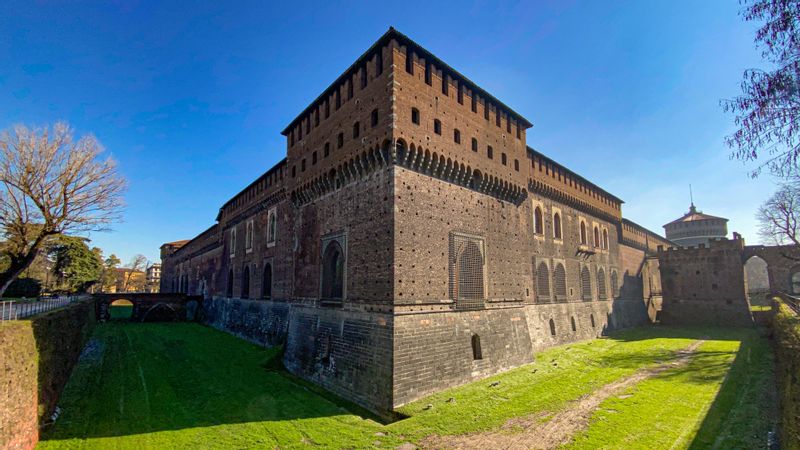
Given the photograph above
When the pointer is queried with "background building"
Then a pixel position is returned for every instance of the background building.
(695, 227)
(153, 278)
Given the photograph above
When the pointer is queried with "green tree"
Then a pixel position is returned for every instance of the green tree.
(110, 266)
(76, 266)
(768, 111)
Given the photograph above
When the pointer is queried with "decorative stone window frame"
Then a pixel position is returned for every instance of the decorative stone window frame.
(232, 242)
(537, 296)
(480, 241)
(581, 244)
(605, 239)
(553, 263)
(248, 236)
(272, 227)
(553, 211)
(340, 238)
(592, 276)
(596, 225)
(534, 204)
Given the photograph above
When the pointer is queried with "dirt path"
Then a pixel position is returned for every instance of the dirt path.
(560, 429)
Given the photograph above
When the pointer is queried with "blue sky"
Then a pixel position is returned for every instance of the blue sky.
(190, 97)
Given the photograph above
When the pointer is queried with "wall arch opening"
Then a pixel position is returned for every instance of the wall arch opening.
(120, 309)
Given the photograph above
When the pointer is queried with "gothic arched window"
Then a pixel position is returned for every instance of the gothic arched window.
(333, 272)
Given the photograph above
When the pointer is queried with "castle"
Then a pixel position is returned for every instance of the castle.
(411, 240)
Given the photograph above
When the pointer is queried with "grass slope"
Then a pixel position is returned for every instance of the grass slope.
(183, 385)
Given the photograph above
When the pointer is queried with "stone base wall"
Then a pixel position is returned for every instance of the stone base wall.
(347, 352)
(433, 351)
(381, 361)
(262, 322)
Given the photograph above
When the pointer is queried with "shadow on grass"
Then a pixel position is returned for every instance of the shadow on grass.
(744, 410)
(141, 378)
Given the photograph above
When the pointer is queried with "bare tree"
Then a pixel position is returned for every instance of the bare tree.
(778, 216)
(51, 183)
(768, 111)
(134, 276)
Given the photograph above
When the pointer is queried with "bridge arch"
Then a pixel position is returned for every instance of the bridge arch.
(149, 307)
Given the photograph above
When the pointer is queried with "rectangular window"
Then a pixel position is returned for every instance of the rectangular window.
(340, 140)
(316, 117)
(428, 74)
(415, 116)
(327, 108)
(508, 124)
(327, 150)
(248, 236)
(490, 152)
(461, 94)
(374, 118)
(349, 89)
(410, 62)
(313, 158)
(337, 99)
(486, 108)
(272, 224)
(379, 62)
(364, 77)
(519, 131)
(474, 103)
(497, 117)
(503, 159)
(445, 85)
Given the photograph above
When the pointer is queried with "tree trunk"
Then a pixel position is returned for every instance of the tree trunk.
(18, 265)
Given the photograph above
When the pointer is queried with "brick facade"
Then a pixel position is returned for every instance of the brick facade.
(411, 240)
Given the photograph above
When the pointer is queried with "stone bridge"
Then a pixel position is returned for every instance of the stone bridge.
(783, 265)
(151, 307)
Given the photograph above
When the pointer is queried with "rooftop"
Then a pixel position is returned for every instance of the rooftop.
(695, 215)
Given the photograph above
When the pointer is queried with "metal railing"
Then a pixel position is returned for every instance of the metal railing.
(15, 310)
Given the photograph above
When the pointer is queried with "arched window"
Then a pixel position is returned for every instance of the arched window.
(538, 226)
(560, 282)
(614, 284)
(601, 284)
(605, 239)
(229, 288)
(572, 322)
(596, 237)
(437, 126)
(272, 225)
(583, 233)
(542, 282)
(586, 284)
(245, 282)
(469, 270)
(333, 272)
(456, 136)
(476, 347)
(557, 226)
(266, 282)
(552, 328)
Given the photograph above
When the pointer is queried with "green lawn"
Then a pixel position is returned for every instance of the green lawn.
(179, 385)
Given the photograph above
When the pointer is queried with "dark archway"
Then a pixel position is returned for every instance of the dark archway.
(229, 289)
(120, 309)
(333, 272)
(266, 282)
(245, 283)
